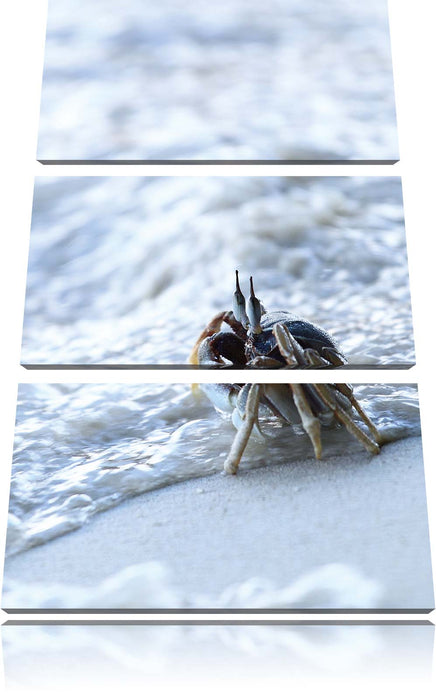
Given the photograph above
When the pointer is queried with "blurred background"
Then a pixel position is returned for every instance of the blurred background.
(281, 80)
(129, 270)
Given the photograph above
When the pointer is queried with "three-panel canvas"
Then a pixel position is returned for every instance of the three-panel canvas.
(280, 469)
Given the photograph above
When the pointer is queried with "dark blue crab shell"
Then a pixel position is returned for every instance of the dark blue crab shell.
(306, 333)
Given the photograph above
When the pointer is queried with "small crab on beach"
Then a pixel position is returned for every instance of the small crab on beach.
(279, 339)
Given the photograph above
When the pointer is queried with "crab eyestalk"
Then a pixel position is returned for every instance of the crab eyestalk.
(239, 305)
(254, 311)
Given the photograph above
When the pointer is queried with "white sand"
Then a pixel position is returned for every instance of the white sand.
(277, 522)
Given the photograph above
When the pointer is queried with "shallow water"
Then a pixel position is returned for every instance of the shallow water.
(130, 270)
(176, 80)
(81, 449)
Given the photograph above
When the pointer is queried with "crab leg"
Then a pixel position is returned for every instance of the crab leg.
(212, 327)
(278, 398)
(347, 391)
(310, 422)
(345, 419)
(244, 431)
(314, 359)
(265, 362)
(333, 356)
(288, 346)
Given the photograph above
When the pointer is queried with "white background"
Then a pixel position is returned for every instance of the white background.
(22, 28)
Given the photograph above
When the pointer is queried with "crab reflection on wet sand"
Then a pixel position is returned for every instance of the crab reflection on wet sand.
(258, 339)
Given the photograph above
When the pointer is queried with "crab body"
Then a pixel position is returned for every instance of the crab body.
(257, 338)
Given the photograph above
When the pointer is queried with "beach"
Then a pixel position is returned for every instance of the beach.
(347, 532)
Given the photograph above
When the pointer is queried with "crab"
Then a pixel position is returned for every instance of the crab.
(258, 339)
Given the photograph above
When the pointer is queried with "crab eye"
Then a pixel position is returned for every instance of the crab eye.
(254, 310)
(239, 305)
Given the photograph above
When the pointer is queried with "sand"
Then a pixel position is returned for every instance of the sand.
(365, 513)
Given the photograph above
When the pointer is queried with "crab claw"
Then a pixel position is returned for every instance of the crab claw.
(254, 311)
(239, 305)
